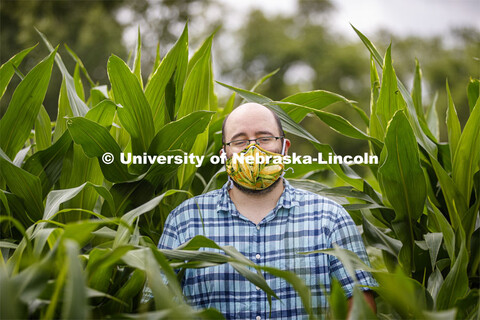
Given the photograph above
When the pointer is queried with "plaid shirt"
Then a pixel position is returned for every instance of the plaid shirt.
(301, 221)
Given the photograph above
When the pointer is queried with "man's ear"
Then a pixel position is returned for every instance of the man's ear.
(221, 152)
(287, 145)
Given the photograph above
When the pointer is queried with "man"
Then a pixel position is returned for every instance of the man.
(267, 220)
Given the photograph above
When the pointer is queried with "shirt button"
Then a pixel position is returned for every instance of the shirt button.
(258, 318)
(257, 256)
(258, 227)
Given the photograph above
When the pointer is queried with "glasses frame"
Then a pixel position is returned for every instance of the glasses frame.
(255, 140)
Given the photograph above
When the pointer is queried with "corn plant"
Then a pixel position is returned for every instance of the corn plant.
(79, 235)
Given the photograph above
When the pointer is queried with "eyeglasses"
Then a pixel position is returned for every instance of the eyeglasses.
(262, 142)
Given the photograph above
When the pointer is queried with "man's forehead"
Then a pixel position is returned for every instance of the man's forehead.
(264, 125)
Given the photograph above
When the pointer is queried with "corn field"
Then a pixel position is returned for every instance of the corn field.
(79, 236)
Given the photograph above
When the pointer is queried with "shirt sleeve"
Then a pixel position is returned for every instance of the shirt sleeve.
(345, 235)
(169, 238)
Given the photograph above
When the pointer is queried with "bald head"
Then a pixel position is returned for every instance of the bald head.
(248, 115)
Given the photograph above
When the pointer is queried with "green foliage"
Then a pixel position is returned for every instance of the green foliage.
(79, 235)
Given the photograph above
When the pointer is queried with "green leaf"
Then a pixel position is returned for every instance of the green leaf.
(389, 99)
(263, 79)
(199, 81)
(433, 124)
(7, 69)
(314, 100)
(24, 185)
(181, 134)
(377, 238)
(136, 115)
(423, 140)
(337, 301)
(441, 224)
(102, 113)
(43, 130)
(455, 285)
(417, 91)
(47, 164)
(453, 125)
(78, 107)
(64, 111)
(473, 92)
(467, 155)
(75, 303)
(173, 65)
(18, 121)
(123, 232)
(80, 64)
(137, 67)
(96, 141)
(433, 241)
(56, 197)
(454, 199)
(403, 183)
(342, 171)
(375, 128)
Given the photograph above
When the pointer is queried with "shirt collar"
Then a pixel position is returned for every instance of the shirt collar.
(287, 199)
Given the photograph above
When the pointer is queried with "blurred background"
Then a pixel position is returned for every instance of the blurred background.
(310, 42)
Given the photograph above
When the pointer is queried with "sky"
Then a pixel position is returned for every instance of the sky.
(403, 17)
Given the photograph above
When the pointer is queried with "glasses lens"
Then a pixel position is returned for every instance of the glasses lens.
(239, 143)
(265, 141)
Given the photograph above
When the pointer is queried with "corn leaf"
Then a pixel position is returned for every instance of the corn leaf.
(18, 121)
(181, 134)
(43, 130)
(96, 141)
(75, 304)
(8, 69)
(473, 92)
(403, 183)
(411, 114)
(24, 185)
(196, 96)
(453, 125)
(137, 65)
(78, 107)
(80, 64)
(455, 285)
(56, 197)
(433, 124)
(47, 164)
(316, 100)
(123, 233)
(467, 155)
(375, 128)
(442, 226)
(135, 114)
(389, 99)
(103, 113)
(173, 65)
(64, 111)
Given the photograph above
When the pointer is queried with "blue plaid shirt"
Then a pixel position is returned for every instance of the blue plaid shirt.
(301, 221)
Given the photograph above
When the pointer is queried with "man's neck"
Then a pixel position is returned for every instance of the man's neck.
(256, 207)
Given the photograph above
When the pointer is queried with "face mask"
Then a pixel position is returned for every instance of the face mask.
(258, 175)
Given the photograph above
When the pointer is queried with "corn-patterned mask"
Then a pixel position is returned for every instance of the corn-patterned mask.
(259, 175)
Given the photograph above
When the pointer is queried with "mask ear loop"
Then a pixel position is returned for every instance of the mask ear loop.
(283, 153)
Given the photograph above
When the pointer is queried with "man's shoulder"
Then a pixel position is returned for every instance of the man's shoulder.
(310, 201)
(204, 201)
(302, 195)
